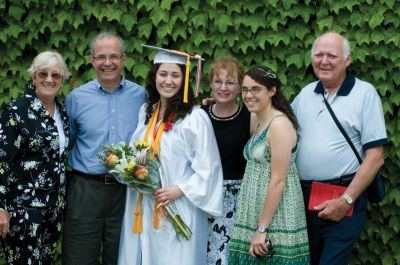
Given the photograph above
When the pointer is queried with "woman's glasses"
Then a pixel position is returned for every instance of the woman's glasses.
(255, 90)
(228, 84)
(45, 74)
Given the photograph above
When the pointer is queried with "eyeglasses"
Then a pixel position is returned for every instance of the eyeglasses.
(255, 90)
(268, 73)
(44, 75)
(102, 58)
(229, 84)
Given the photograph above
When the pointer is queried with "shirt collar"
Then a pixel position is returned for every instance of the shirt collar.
(344, 89)
(120, 86)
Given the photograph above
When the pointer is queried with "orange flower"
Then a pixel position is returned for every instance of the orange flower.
(111, 160)
(141, 172)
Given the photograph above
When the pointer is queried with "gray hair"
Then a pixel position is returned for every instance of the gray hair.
(49, 59)
(346, 46)
(107, 35)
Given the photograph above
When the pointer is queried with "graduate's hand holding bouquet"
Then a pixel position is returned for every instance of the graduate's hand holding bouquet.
(139, 168)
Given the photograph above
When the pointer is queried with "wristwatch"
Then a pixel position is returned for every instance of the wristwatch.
(347, 198)
(262, 229)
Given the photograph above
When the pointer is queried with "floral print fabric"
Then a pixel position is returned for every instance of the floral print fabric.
(32, 171)
(287, 231)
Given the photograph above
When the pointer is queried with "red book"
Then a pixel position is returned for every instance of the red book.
(321, 192)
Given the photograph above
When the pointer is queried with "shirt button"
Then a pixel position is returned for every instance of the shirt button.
(113, 110)
(112, 127)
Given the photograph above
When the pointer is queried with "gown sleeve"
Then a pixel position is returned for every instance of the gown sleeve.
(204, 186)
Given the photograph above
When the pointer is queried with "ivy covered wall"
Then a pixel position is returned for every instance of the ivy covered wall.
(278, 34)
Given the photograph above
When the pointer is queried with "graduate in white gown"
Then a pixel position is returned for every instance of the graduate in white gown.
(191, 172)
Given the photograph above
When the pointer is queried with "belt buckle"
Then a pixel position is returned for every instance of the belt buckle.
(109, 179)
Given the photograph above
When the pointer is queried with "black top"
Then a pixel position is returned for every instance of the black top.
(232, 134)
(32, 172)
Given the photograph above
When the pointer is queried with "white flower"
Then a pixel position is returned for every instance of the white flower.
(2, 189)
(30, 165)
(33, 229)
(37, 203)
(36, 104)
(17, 142)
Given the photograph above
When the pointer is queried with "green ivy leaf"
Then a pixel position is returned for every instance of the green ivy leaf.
(144, 28)
(180, 32)
(140, 70)
(128, 21)
(325, 23)
(14, 30)
(190, 4)
(148, 5)
(198, 38)
(223, 22)
(163, 30)
(256, 22)
(129, 63)
(157, 15)
(200, 19)
(376, 20)
(166, 4)
(295, 59)
(252, 6)
(16, 11)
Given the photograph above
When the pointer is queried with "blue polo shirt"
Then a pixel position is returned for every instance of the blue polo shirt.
(99, 118)
(323, 152)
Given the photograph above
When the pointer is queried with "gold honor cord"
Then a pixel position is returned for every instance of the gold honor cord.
(155, 145)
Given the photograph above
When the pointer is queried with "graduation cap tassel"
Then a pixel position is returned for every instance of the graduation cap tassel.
(186, 87)
(198, 77)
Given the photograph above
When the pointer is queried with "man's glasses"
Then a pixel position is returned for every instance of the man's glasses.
(254, 90)
(45, 74)
(102, 58)
(229, 84)
(267, 73)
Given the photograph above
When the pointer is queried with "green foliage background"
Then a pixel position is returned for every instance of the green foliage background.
(273, 33)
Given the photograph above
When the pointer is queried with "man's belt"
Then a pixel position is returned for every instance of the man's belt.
(104, 178)
(341, 181)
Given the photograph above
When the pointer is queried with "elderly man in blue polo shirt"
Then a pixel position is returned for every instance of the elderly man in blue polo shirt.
(102, 112)
(324, 155)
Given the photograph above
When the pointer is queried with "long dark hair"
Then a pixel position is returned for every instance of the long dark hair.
(265, 76)
(175, 104)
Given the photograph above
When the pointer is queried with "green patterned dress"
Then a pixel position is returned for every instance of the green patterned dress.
(287, 231)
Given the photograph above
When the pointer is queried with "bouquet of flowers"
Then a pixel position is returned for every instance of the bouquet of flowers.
(138, 167)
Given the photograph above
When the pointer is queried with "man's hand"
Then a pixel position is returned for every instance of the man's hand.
(333, 210)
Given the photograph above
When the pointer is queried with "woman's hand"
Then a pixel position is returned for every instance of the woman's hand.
(258, 246)
(4, 223)
(168, 195)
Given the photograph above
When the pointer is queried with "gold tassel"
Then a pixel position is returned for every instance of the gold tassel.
(186, 87)
(137, 218)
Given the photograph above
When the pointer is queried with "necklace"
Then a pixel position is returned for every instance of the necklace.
(229, 118)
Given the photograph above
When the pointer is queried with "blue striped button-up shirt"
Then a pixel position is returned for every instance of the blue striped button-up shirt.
(99, 118)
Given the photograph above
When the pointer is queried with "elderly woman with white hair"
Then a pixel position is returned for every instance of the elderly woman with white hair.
(34, 133)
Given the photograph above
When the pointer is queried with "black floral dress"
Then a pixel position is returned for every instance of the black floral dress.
(32, 178)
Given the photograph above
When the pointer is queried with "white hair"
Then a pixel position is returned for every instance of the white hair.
(346, 47)
(49, 59)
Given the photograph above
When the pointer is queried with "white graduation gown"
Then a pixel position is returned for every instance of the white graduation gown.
(190, 159)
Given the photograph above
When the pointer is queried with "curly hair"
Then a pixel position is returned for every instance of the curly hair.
(265, 76)
(175, 103)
